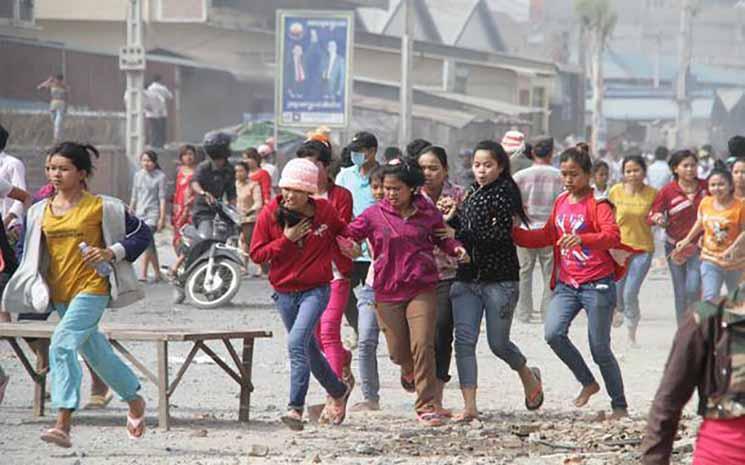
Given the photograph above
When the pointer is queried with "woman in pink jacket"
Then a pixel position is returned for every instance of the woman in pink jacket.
(401, 229)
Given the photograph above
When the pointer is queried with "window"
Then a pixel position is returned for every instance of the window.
(17, 11)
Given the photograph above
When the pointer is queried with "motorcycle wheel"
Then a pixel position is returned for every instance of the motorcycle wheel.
(226, 280)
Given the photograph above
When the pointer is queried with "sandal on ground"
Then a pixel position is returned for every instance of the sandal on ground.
(57, 437)
(294, 422)
(431, 419)
(409, 386)
(534, 400)
(3, 385)
(136, 424)
(98, 401)
(463, 418)
(444, 412)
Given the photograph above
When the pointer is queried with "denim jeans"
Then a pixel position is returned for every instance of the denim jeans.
(686, 281)
(367, 346)
(598, 298)
(712, 278)
(471, 301)
(301, 312)
(76, 332)
(627, 289)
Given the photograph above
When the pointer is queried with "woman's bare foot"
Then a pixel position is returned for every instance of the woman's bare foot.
(584, 395)
(366, 406)
(618, 413)
(466, 416)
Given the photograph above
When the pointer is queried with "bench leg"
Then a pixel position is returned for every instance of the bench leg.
(164, 419)
(42, 366)
(246, 386)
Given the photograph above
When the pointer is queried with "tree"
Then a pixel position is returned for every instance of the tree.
(598, 19)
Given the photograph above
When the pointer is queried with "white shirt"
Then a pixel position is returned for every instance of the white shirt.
(13, 173)
(272, 170)
(159, 96)
(659, 174)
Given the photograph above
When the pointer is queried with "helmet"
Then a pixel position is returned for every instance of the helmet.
(217, 145)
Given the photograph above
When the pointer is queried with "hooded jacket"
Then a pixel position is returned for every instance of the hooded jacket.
(126, 236)
(403, 248)
(297, 266)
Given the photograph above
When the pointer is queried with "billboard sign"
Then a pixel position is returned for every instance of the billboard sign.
(314, 64)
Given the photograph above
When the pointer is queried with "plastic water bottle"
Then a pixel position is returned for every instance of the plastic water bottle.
(102, 268)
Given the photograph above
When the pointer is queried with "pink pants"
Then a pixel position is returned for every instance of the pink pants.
(328, 331)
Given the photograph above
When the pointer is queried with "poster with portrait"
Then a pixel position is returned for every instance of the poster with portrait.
(314, 57)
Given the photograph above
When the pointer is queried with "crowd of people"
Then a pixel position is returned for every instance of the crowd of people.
(416, 256)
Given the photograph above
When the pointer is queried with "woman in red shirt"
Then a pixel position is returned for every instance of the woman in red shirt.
(675, 209)
(583, 232)
(183, 196)
(257, 174)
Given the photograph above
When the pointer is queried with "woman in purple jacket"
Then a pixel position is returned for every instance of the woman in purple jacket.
(401, 229)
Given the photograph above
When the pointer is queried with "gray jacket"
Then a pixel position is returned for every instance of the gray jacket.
(27, 290)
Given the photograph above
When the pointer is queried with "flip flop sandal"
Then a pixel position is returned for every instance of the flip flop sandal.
(431, 419)
(294, 423)
(97, 401)
(341, 416)
(464, 419)
(409, 386)
(57, 437)
(3, 385)
(133, 424)
(534, 401)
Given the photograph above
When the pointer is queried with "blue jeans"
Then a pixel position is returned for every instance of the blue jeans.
(627, 289)
(470, 302)
(686, 281)
(598, 298)
(301, 312)
(76, 332)
(712, 278)
(367, 346)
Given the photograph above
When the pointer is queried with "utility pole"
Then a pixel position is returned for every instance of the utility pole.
(685, 46)
(405, 90)
(582, 80)
(132, 62)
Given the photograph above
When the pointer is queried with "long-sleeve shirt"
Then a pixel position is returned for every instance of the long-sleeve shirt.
(681, 211)
(13, 171)
(403, 248)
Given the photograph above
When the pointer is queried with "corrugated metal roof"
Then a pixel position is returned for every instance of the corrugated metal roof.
(452, 118)
(650, 109)
(496, 106)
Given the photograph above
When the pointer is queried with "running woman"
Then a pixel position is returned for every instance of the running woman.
(296, 232)
(488, 285)
(675, 209)
(583, 232)
(402, 230)
(54, 273)
(329, 330)
(445, 195)
(721, 217)
(633, 200)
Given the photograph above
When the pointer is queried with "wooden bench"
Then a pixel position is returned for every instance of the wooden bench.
(117, 334)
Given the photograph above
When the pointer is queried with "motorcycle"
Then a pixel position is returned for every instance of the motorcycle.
(211, 274)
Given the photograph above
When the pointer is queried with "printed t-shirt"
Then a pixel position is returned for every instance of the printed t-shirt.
(721, 228)
(68, 276)
(631, 216)
(579, 265)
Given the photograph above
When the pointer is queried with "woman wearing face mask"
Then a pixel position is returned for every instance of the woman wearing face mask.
(402, 231)
(675, 209)
(488, 285)
(583, 233)
(633, 200)
(297, 232)
(445, 195)
(721, 217)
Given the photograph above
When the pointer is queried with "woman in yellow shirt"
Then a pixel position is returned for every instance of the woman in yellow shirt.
(78, 251)
(721, 217)
(633, 200)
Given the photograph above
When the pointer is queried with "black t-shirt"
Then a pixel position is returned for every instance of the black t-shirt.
(217, 181)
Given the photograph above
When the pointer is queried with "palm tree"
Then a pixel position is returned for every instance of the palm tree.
(598, 18)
